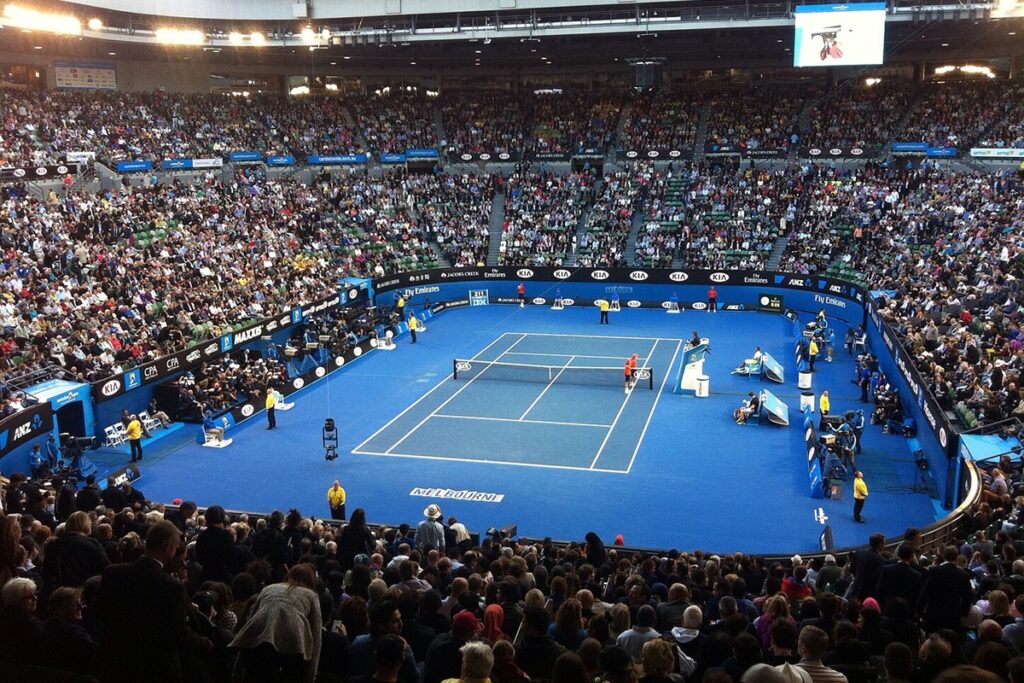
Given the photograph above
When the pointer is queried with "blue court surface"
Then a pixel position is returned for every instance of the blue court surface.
(538, 430)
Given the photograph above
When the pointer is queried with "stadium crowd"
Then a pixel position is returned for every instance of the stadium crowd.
(661, 121)
(478, 122)
(858, 116)
(105, 583)
(760, 119)
(610, 222)
(456, 213)
(563, 122)
(542, 213)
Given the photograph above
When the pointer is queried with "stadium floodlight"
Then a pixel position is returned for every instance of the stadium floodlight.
(1005, 9)
(15, 16)
(177, 36)
(95, 24)
(308, 36)
(235, 38)
(257, 38)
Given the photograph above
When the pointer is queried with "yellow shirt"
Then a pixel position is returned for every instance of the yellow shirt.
(414, 324)
(824, 404)
(336, 496)
(860, 489)
(604, 306)
(271, 400)
(813, 348)
(134, 430)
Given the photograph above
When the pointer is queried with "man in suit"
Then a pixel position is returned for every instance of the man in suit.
(867, 567)
(900, 580)
(946, 595)
(141, 610)
(215, 546)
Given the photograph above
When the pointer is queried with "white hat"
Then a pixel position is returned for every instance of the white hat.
(796, 560)
(830, 559)
(432, 512)
(794, 674)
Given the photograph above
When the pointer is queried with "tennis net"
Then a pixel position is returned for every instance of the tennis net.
(546, 374)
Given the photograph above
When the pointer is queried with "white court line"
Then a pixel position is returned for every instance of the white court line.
(657, 398)
(546, 387)
(435, 388)
(482, 461)
(594, 336)
(531, 422)
(565, 355)
(619, 414)
(450, 398)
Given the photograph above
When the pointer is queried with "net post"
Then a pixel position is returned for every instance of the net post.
(455, 368)
(650, 379)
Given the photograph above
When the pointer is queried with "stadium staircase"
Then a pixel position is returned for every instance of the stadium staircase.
(612, 154)
(702, 131)
(439, 125)
(581, 226)
(350, 121)
(494, 227)
(777, 250)
(803, 123)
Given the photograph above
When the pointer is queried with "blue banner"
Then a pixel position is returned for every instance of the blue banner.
(392, 158)
(246, 156)
(336, 159)
(134, 166)
(284, 160)
(169, 164)
(421, 153)
(910, 146)
(941, 151)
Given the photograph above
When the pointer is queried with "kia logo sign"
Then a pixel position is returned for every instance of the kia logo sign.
(539, 301)
(320, 371)
(62, 169)
(835, 151)
(814, 152)
(599, 275)
(632, 155)
(41, 171)
(667, 305)
(524, 273)
(466, 157)
(353, 294)
(111, 387)
(358, 351)
(562, 274)
(638, 275)
(719, 277)
(642, 374)
(598, 302)
(675, 153)
(568, 302)
(678, 276)
(19, 173)
(248, 410)
(485, 157)
(633, 303)
(943, 440)
(856, 151)
(699, 305)
(339, 361)
(463, 366)
(504, 156)
(653, 154)
(298, 383)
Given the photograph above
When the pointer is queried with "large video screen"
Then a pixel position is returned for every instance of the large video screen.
(839, 35)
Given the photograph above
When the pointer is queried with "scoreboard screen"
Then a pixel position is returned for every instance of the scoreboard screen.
(839, 35)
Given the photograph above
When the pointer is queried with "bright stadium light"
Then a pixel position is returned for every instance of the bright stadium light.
(95, 24)
(308, 36)
(235, 38)
(175, 36)
(256, 38)
(15, 16)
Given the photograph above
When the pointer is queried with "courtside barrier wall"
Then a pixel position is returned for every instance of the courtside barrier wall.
(938, 438)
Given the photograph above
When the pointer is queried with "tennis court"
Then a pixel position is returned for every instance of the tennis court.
(538, 400)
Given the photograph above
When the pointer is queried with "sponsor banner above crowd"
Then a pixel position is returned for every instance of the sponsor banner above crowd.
(195, 356)
(731, 150)
(838, 152)
(189, 164)
(482, 157)
(997, 152)
(140, 166)
(656, 154)
(337, 159)
(29, 173)
(828, 286)
(922, 149)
